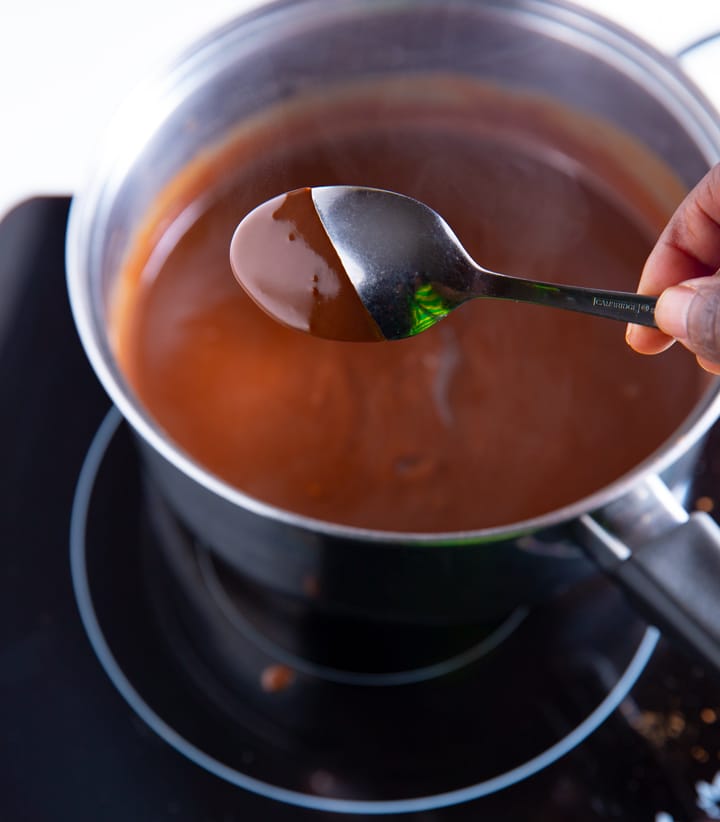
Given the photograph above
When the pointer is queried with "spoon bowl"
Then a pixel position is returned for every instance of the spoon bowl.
(395, 254)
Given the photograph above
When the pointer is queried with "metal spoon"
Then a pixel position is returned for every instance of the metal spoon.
(404, 262)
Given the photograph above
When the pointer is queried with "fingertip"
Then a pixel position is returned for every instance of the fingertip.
(630, 333)
(645, 340)
(673, 308)
(709, 366)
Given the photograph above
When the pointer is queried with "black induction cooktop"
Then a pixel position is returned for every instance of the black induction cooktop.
(114, 707)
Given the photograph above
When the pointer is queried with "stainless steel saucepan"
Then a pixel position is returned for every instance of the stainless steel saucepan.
(636, 528)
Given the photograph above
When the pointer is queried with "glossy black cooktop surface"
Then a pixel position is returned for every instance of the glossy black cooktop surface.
(105, 717)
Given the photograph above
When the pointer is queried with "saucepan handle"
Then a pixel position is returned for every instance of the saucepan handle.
(671, 575)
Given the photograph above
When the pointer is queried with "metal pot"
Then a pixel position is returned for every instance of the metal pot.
(635, 528)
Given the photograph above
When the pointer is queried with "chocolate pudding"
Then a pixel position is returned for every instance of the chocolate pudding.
(500, 413)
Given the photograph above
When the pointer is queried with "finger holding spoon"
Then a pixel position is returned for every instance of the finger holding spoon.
(683, 268)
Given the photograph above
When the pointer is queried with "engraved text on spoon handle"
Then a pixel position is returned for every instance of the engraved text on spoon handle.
(614, 305)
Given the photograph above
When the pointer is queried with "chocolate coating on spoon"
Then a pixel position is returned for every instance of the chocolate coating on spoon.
(282, 257)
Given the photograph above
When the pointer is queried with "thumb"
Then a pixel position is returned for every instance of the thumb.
(690, 312)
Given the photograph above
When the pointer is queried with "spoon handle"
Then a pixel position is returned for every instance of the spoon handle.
(614, 305)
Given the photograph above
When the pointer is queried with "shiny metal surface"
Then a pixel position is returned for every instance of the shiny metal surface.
(278, 53)
(410, 269)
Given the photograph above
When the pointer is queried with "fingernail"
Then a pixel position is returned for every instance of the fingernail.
(671, 312)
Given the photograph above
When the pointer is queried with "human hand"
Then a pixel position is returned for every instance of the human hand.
(684, 269)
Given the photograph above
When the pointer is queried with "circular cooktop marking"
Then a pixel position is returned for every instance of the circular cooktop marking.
(83, 593)
(391, 678)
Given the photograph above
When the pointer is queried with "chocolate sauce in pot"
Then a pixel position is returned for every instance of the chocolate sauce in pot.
(501, 412)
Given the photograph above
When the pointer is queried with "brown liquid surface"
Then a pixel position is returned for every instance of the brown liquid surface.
(500, 413)
(283, 258)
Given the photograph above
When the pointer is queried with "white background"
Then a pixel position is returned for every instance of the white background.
(65, 65)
